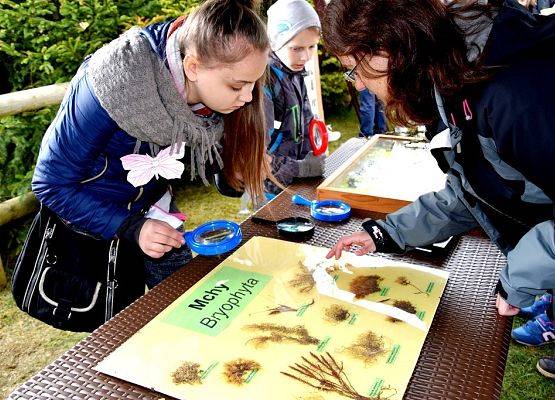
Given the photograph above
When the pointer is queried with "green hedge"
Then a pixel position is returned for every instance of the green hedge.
(44, 42)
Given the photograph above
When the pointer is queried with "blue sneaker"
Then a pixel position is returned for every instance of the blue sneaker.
(540, 306)
(536, 332)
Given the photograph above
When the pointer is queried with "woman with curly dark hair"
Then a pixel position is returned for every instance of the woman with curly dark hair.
(481, 76)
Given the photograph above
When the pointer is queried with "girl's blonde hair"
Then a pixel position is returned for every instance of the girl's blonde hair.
(225, 32)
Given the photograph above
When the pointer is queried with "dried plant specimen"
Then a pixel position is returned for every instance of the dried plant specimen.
(367, 347)
(237, 371)
(188, 372)
(303, 280)
(333, 268)
(273, 333)
(281, 308)
(336, 313)
(326, 374)
(364, 285)
(404, 305)
(402, 280)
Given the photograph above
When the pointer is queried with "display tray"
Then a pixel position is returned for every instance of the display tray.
(277, 320)
(384, 175)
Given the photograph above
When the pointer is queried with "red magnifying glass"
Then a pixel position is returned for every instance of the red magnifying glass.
(318, 135)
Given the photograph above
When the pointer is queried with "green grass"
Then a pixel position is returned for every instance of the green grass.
(345, 123)
(27, 345)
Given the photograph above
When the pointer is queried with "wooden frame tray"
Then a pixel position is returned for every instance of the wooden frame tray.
(384, 175)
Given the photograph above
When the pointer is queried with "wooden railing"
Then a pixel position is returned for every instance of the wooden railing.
(15, 103)
(32, 99)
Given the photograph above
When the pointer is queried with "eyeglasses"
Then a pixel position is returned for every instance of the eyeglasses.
(350, 75)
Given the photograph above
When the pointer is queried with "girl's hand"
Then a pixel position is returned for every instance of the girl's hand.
(504, 308)
(156, 238)
(361, 238)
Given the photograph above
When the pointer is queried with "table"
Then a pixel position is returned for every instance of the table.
(463, 356)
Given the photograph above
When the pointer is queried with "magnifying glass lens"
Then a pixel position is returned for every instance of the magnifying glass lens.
(214, 236)
(295, 226)
(317, 137)
(330, 210)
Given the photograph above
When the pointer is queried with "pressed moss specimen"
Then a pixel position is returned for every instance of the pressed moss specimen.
(404, 305)
(403, 280)
(281, 308)
(336, 313)
(237, 371)
(188, 372)
(364, 285)
(326, 374)
(273, 333)
(367, 347)
(303, 280)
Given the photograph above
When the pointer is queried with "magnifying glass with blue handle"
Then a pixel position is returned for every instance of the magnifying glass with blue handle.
(324, 210)
(214, 237)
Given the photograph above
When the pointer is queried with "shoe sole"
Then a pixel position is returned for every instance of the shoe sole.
(533, 345)
(545, 373)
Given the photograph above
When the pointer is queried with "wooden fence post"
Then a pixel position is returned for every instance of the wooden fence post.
(32, 99)
(18, 207)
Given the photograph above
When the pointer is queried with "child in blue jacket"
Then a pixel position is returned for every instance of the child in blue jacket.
(294, 31)
(185, 90)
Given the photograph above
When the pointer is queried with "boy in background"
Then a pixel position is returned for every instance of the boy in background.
(294, 31)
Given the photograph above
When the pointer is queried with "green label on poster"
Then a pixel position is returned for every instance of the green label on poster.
(217, 301)
(393, 354)
(376, 388)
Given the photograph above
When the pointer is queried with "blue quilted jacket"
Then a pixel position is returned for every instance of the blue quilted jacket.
(79, 174)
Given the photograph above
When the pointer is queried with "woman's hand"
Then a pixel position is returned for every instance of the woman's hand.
(361, 238)
(156, 238)
(504, 308)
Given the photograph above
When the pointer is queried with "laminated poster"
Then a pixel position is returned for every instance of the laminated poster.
(276, 320)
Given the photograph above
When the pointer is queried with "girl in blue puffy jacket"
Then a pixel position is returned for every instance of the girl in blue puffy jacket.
(175, 96)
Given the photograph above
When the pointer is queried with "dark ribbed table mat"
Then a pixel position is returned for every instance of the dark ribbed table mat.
(463, 356)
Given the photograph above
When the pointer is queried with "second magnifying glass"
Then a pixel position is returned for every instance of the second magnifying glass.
(325, 210)
(297, 229)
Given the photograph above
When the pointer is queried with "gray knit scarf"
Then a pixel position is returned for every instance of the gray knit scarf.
(136, 89)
